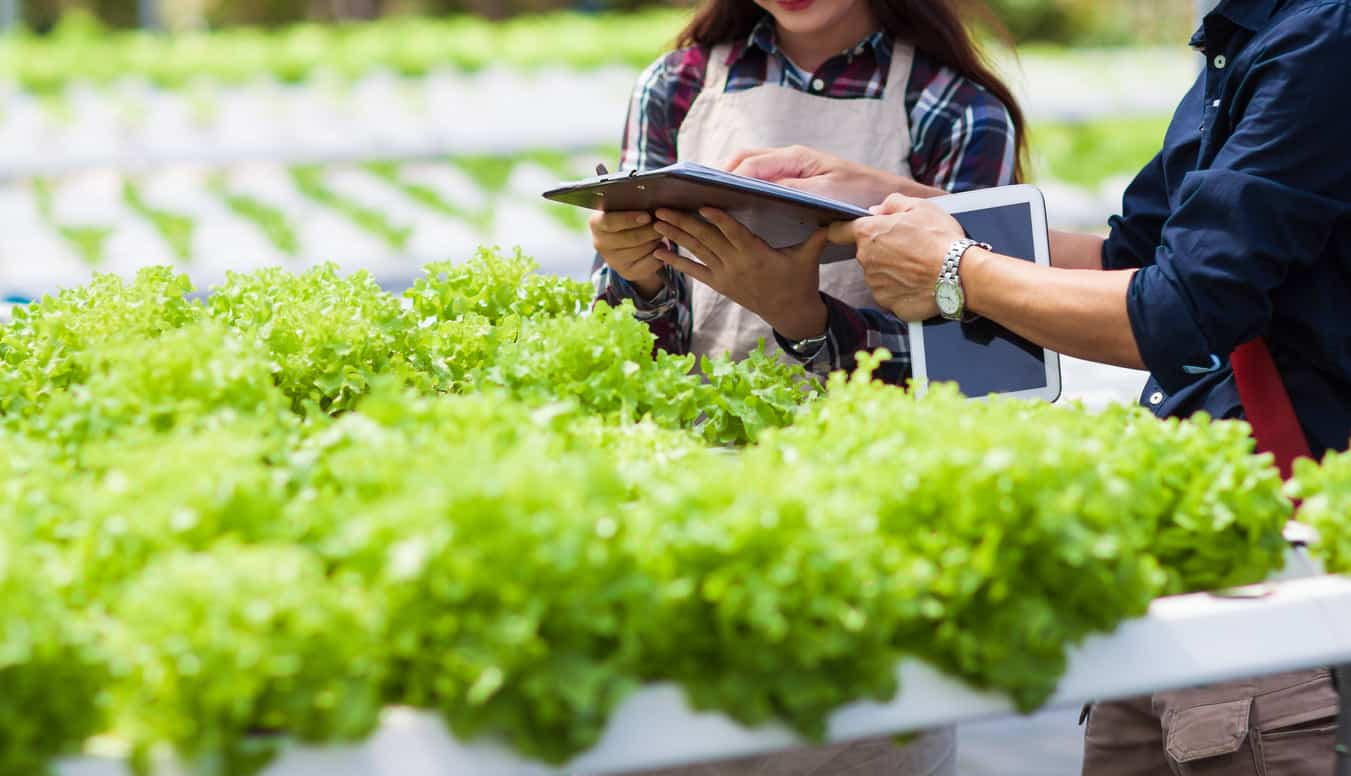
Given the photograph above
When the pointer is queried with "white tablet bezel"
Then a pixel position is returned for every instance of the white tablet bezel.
(982, 200)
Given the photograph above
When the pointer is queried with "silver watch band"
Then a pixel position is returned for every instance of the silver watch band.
(810, 347)
(952, 262)
(952, 266)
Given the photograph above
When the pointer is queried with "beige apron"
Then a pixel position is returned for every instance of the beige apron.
(871, 132)
(720, 123)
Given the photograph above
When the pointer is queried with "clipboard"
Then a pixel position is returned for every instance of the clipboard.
(780, 216)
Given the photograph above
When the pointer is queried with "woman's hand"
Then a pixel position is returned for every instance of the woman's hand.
(780, 286)
(817, 172)
(626, 241)
(901, 248)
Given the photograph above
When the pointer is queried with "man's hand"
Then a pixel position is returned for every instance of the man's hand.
(780, 286)
(901, 250)
(626, 242)
(817, 172)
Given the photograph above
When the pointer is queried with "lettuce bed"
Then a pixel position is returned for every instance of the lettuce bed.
(303, 499)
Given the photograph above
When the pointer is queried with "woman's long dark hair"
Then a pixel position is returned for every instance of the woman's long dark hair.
(934, 27)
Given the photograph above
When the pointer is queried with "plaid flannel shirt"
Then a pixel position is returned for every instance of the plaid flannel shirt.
(962, 138)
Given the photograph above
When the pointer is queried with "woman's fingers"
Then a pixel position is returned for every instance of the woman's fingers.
(739, 236)
(626, 258)
(811, 249)
(619, 221)
(693, 269)
(628, 238)
(696, 227)
(690, 243)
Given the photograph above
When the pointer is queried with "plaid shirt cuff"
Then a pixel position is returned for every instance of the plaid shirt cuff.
(850, 330)
(648, 309)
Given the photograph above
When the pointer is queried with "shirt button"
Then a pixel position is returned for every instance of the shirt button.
(818, 85)
(1156, 398)
(1215, 104)
(1220, 61)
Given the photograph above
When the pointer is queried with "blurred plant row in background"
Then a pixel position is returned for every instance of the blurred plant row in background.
(1066, 22)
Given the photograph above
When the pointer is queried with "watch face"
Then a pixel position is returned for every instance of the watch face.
(949, 297)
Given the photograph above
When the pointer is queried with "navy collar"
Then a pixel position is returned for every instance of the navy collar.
(764, 38)
(1251, 15)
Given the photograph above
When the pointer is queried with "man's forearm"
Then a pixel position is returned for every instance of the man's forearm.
(1080, 314)
(1071, 250)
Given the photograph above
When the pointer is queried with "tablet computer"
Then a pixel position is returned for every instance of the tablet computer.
(780, 216)
(981, 356)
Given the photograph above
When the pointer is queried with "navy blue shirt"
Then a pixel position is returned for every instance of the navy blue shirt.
(1242, 224)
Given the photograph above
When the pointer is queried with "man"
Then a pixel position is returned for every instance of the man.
(1228, 277)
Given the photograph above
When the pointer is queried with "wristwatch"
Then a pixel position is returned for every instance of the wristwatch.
(809, 347)
(948, 292)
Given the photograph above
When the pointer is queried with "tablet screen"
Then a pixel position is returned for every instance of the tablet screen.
(982, 357)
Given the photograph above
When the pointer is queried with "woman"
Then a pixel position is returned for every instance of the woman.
(894, 84)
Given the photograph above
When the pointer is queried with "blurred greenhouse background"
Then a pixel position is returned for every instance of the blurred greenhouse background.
(260, 131)
(221, 135)
(1065, 22)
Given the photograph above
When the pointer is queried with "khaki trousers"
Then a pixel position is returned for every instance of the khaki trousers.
(1283, 725)
(932, 754)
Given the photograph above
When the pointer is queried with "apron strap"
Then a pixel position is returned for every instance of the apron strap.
(898, 75)
(1267, 405)
(717, 72)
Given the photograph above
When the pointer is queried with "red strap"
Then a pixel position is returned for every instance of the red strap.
(1267, 405)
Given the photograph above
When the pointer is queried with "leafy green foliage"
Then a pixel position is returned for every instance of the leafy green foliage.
(180, 376)
(1326, 493)
(47, 669)
(539, 656)
(268, 515)
(327, 335)
(1030, 526)
(49, 345)
(143, 495)
(493, 322)
(212, 647)
(604, 362)
(495, 287)
(750, 396)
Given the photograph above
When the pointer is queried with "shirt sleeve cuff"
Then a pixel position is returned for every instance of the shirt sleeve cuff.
(845, 334)
(1116, 248)
(1166, 332)
(647, 309)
